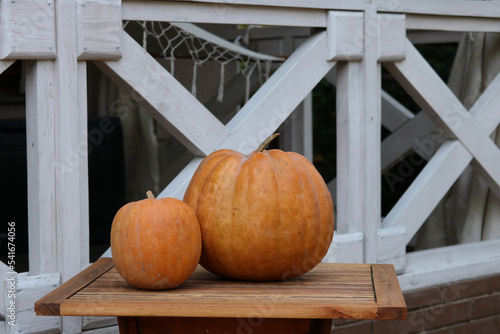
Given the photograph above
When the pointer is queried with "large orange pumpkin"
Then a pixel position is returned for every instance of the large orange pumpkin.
(155, 243)
(265, 216)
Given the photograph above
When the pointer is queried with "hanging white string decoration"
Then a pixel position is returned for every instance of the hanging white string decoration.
(174, 39)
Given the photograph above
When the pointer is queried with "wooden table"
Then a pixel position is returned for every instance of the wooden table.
(206, 303)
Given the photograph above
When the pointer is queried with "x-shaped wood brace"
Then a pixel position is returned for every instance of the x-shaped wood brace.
(191, 123)
(472, 144)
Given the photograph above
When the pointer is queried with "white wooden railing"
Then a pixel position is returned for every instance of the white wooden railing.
(357, 37)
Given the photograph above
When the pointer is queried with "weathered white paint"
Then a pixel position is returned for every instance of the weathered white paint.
(425, 86)
(391, 247)
(394, 114)
(443, 169)
(442, 266)
(450, 23)
(99, 29)
(405, 139)
(391, 243)
(5, 64)
(350, 161)
(391, 36)
(429, 187)
(431, 37)
(104, 330)
(178, 186)
(29, 289)
(344, 36)
(345, 248)
(5, 273)
(93, 323)
(40, 139)
(70, 153)
(160, 94)
(433, 7)
(370, 77)
(221, 13)
(278, 96)
(358, 142)
(27, 29)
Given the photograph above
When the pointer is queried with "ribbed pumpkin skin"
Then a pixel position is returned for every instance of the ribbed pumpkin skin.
(155, 243)
(263, 217)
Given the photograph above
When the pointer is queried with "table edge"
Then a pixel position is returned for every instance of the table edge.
(389, 297)
(389, 303)
(50, 303)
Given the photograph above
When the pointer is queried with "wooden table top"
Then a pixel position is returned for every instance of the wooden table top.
(330, 291)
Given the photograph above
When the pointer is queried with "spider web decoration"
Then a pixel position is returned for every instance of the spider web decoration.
(184, 39)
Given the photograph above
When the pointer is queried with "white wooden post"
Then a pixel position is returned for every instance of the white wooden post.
(40, 114)
(350, 162)
(358, 129)
(70, 153)
(370, 135)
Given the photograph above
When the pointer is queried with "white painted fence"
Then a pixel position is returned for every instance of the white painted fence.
(356, 37)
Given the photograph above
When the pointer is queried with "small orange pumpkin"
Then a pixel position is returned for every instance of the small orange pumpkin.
(265, 216)
(155, 243)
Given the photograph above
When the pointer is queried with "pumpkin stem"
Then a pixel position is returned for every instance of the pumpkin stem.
(266, 142)
(150, 195)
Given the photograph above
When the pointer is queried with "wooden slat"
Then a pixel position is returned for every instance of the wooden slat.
(5, 64)
(443, 169)
(40, 152)
(433, 7)
(179, 184)
(71, 153)
(350, 135)
(394, 114)
(49, 305)
(391, 304)
(161, 95)
(445, 265)
(328, 291)
(431, 93)
(402, 141)
(263, 308)
(208, 13)
(450, 23)
(270, 106)
(416, 204)
(28, 290)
